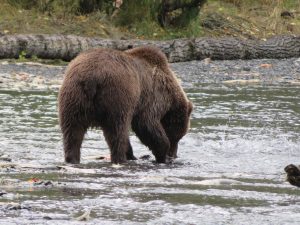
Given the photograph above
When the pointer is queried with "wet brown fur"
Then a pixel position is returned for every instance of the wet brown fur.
(117, 90)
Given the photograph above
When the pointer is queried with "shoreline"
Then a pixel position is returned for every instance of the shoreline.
(36, 76)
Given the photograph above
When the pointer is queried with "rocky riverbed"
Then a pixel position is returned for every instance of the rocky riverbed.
(36, 76)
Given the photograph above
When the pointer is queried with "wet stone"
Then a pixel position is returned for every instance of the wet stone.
(246, 69)
(47, 218)
(16, 206)
(293, 174)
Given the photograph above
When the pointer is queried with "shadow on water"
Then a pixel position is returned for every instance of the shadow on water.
(229, 171)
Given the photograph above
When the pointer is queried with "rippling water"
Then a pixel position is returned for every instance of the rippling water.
(229, 171)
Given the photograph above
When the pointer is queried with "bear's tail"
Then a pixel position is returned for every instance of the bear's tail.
(89, 88)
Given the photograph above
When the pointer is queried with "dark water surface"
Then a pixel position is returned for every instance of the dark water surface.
(229, 171)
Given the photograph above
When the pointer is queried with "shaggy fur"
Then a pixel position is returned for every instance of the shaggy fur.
(117, 90)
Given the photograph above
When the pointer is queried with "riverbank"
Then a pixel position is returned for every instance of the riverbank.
(246, 19)
(37, 76)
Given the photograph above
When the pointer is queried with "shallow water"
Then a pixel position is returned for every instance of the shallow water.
(229, 171)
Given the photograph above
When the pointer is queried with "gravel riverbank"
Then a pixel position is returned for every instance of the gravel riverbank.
(36, 76)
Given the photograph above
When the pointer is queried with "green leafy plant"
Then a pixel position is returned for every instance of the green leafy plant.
(22, 56)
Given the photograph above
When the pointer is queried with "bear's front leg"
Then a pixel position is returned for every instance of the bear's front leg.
(129, 153)
(153, 136)
(173, 150)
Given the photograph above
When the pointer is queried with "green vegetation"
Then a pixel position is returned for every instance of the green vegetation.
(24, 58)
(35, 59)
(60, 17)
(139, 18)
(262, 18)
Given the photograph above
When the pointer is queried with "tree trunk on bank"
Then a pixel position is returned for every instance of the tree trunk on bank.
(66, 47)
(167, 6)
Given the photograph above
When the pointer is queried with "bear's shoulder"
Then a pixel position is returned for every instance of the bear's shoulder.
(151, 54)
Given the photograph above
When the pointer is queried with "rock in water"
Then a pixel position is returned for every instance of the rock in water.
(85, 216)
(293, 175)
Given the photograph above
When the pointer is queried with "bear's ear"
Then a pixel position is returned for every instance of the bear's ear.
(190, 107)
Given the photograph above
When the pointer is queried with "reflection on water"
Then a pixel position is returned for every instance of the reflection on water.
(230, 169)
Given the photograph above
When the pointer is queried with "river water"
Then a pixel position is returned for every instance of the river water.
(229, 170)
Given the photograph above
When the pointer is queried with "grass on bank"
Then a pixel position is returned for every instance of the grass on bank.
(16, 19)
(244, 18)
(262, 18)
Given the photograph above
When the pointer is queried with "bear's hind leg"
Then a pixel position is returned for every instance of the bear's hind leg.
(72, 138)
(117, 138)
(153, 136)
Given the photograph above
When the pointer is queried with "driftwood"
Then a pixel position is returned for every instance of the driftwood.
(66, 47)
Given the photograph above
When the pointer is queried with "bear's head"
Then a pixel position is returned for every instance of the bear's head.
(176, 124)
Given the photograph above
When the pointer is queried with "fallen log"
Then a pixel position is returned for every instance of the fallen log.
(66, 47)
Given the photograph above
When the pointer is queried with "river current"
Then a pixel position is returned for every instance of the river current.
(229, 170)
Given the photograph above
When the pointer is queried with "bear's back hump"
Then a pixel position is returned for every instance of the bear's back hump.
(102, 64)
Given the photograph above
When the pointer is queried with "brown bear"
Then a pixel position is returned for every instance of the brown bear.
(116, 90)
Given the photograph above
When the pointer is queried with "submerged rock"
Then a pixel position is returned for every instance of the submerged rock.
(85, 216)
(293, 174)
(13, 206)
